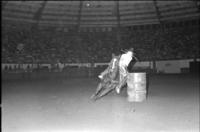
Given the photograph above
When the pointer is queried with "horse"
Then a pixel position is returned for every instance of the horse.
(109, 79)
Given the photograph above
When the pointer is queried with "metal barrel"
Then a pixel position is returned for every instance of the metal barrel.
(136, 89)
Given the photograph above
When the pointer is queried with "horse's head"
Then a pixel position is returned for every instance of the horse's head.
(113, 62)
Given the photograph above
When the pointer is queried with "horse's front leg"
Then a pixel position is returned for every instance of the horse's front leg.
(106, 90)
(99, 87)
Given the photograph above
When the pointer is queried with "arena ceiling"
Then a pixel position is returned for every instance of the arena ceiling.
(98, 14)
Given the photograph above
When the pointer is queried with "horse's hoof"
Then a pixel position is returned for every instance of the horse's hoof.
(94, 99)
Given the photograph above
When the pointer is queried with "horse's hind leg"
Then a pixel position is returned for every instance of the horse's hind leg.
(121, 84)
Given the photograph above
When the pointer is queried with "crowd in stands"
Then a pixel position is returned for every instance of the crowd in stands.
(49, 46)
(165, 43)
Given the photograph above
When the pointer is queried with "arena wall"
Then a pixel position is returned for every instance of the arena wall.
(166, 66)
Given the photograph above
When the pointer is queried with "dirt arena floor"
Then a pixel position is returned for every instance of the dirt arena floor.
(64, 105)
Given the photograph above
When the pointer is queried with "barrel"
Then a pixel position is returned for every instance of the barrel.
(136, 89)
